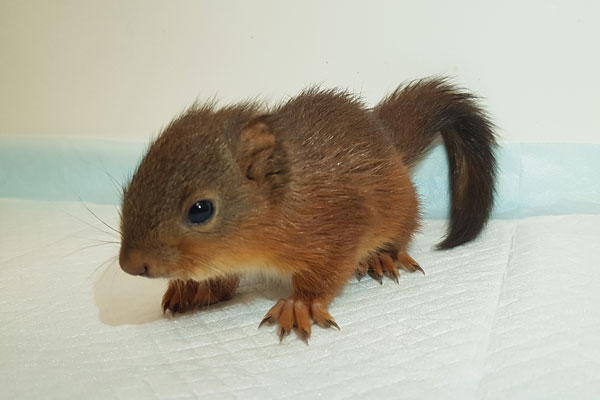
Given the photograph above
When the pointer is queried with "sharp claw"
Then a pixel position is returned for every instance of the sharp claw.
(333, 323)
(360, 274)
(378, 278)
(395, 279)
(268, 319)
(418, 268)
(303, 335)
(283, 333)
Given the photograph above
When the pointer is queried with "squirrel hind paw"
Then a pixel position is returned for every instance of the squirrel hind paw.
(386, 263)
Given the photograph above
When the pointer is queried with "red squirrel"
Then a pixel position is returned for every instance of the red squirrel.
(317, 189)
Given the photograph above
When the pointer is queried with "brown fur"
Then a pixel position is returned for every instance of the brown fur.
(420, 111)
(317, 189)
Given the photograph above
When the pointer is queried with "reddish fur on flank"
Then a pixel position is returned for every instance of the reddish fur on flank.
(317, 189)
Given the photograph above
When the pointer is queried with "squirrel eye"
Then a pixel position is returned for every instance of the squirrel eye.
(200, 212)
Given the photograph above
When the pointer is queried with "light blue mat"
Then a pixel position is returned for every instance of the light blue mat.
(534, 179)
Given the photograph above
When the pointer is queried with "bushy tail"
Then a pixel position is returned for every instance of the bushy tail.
(416, 113)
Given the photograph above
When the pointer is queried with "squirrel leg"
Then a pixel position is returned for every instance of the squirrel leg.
(308, 303)
(183, 295)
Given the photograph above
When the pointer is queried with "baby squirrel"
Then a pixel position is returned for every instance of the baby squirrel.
(317, 189)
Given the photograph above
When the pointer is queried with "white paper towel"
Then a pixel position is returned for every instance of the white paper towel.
(514, 314)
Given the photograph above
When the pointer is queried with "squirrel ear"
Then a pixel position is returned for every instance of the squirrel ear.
(256, 147)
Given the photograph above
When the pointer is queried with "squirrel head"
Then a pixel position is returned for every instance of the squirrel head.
(192, 207)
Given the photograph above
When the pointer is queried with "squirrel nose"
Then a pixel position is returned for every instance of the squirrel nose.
(135, 262)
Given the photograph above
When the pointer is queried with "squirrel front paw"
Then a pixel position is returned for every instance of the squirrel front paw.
(183, 296)
(292, 313)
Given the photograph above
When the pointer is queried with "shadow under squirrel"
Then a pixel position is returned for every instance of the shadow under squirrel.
(317, 189)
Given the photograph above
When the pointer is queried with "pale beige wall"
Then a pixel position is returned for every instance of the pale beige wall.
(124, 68)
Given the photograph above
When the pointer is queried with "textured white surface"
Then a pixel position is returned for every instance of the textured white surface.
(512, 315)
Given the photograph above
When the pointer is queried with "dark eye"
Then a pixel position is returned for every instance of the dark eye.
(200, 212)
